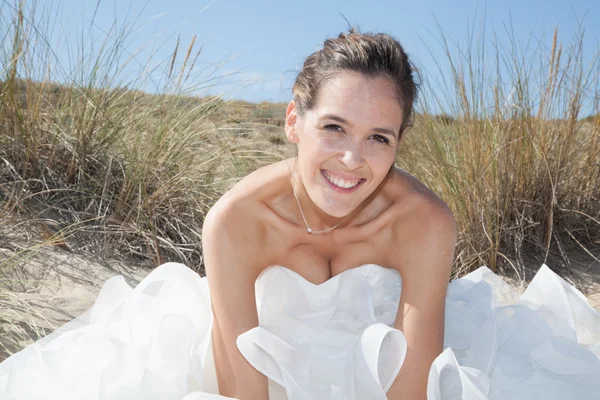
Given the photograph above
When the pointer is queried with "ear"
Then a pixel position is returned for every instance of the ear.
(291, 119)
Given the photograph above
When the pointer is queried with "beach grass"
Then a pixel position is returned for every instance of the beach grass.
(502, 139)
(97, 165)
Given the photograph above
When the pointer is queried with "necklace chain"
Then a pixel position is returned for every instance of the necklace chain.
(308, 229)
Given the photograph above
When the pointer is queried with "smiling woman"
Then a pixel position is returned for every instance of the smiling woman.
(350, 136)
(327, 278)
(352, 102)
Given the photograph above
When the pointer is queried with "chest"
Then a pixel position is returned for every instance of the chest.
(318, 258)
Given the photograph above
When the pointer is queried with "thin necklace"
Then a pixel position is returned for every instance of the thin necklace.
(308, 229)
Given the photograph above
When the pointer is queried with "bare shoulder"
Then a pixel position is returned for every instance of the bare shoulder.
(414, 201)
(245, 195)
(234, 227)
(250, 190)
(423, 224)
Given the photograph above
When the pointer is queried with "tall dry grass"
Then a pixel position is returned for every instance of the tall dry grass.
(501, 139)
(95, 164)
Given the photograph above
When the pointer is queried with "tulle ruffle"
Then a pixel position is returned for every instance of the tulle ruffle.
(329, 341)
(499, 345)
(150, 342)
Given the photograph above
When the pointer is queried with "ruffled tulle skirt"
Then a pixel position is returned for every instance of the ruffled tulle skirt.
(330, 341)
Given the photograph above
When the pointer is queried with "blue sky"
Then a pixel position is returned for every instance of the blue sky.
(263, 43)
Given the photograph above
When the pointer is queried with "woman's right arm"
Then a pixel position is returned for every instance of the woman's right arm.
(233, 259)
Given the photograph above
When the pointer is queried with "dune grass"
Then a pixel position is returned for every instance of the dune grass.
(99, 166)
(502, 142)
(107, 168)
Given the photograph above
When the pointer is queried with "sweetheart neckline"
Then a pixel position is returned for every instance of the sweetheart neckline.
(331, 279)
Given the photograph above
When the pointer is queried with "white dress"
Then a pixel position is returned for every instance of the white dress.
(330, 341)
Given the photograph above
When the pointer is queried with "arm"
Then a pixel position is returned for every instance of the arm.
(232, 258)
(424, 261)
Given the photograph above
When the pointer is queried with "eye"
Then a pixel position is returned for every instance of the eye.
(333, 127)
(381, 139)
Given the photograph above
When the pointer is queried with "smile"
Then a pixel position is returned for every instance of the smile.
(340, 183)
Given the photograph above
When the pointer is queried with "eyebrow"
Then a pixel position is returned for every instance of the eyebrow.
(342, 120)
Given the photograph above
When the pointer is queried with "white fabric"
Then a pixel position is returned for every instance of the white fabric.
(330, 341)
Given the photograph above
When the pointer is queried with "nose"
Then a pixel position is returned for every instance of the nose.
(352, 156)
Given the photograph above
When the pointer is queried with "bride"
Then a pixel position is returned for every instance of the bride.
(339, 204)
(326, 278)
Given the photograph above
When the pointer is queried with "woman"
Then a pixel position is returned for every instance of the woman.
(328, 277)
(352, 103)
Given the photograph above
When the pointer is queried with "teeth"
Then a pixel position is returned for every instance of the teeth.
(341, 182)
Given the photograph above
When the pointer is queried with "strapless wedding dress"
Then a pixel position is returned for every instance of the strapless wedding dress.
(330, 341)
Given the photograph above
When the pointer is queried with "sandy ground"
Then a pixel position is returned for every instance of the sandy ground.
(50, 286)
(42, 287)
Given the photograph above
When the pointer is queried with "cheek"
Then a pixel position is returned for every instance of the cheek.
(381, 159)
(319, 150)
(379, 153)
(331, 144)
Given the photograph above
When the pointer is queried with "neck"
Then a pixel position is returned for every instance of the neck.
(316, 218)
(317, 221)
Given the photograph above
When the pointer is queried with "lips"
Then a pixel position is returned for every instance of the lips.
(341, 184)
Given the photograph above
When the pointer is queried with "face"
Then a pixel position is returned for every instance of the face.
(347, 142)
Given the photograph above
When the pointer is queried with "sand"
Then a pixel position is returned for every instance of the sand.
(43, 286)
(49, 286)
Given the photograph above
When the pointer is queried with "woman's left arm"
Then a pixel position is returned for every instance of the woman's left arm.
(424, 261)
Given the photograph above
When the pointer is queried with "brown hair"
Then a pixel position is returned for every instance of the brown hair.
(370, 54)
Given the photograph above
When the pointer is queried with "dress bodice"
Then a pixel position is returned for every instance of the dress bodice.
(355, 290)
(334, 340)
